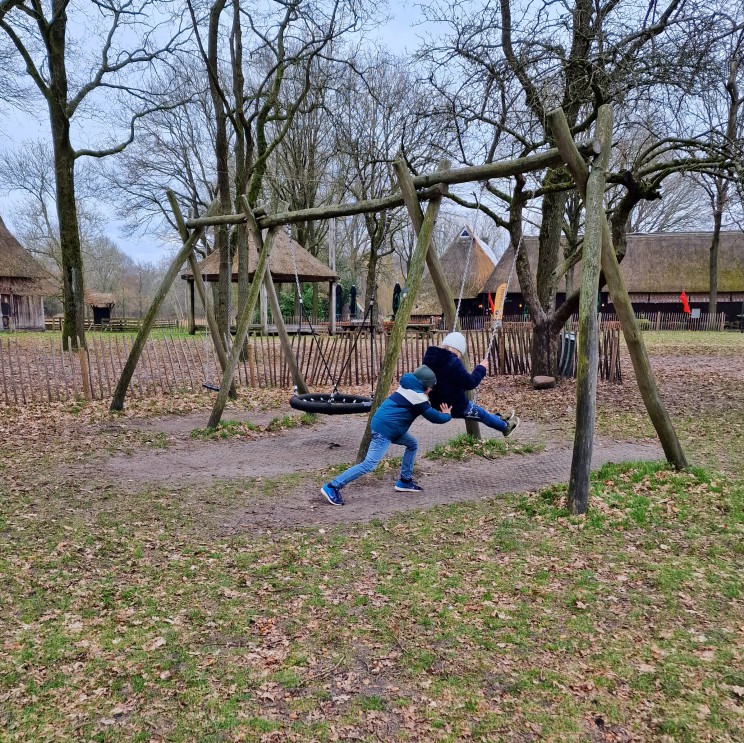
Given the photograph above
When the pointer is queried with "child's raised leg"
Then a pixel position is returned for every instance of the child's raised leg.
(476, 412)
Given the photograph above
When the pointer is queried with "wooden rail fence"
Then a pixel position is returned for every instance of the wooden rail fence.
(35, 369)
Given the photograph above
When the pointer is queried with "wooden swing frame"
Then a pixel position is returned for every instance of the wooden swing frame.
(431, 188)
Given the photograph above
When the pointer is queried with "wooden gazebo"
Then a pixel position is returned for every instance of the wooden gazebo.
(281, 266)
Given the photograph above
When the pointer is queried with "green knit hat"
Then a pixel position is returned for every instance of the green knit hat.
(425, 375)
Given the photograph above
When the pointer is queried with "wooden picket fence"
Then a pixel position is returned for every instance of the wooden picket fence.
(33, 368)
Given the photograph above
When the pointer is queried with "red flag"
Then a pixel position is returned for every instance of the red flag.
(491, 305)
(685, 303)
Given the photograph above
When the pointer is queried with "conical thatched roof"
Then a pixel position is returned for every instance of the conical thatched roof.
(500, 274)
(309, 268)
(454, 261)
(20, 273)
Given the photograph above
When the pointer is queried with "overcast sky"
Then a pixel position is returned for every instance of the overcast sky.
(400, 34)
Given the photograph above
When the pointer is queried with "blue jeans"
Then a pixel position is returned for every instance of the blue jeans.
(377, 448)
(477, 413)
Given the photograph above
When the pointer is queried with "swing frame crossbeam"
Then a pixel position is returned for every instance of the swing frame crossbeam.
(431, 187)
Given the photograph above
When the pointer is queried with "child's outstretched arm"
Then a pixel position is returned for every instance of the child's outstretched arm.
(434, 416)
(464, 379)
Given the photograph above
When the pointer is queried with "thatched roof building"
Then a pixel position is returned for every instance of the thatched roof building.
(100, 299)
(24, 283)
(20, 272)
(503, 268)
(661, 265)
(466, 255)
(309, 268)
(657, 266)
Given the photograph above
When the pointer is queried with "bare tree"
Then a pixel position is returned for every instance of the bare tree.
(379, 112)
(519, 60)
(131, 37)
(723, 109)
(252, 116)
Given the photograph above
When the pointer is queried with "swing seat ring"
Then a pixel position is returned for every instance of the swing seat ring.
(337, 404)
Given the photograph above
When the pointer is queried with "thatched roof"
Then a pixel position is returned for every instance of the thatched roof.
(100, 299)
(500, 274)
(654, 263)
(309, 268)
(481, 264)
(673, 261)
(20, 273)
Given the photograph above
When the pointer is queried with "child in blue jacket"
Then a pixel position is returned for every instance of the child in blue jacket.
(390, 425)
(454, 380)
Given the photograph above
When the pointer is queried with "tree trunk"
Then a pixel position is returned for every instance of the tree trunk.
(544, 350)
(244, 320)
(221, 152)
(69, 235)
(713, 299)
(64, 170)
(369, 285)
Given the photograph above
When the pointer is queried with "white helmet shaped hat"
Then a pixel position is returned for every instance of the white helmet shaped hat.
(456, 341)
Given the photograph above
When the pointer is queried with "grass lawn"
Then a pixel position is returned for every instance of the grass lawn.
(125, 618)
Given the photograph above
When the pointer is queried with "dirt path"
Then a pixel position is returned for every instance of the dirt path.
(443, 482)
(191, 466)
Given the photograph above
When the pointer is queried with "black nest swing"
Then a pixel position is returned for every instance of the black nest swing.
(335, 403)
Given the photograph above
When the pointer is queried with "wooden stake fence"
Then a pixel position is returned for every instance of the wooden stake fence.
(35, 369)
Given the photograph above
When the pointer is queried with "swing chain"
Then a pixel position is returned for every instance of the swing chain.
(478, 198)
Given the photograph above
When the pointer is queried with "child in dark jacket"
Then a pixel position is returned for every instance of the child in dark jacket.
(454, 380)
(390, 425)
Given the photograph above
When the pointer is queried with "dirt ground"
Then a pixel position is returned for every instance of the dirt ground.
(159, 452)
(311, 450)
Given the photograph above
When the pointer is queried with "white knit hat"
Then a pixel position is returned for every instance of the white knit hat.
(456, 341)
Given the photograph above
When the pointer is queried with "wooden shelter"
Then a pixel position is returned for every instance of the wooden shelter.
(24, 283)
(281, 266)
(101, 304)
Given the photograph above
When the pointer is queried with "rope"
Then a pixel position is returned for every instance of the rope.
(314, 335)
(496, 324)
(470, 253)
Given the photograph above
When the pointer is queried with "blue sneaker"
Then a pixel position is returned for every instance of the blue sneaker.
(332, 494)
(408, 486)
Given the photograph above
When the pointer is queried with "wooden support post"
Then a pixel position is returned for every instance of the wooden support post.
(246, 313)
(441, 285)
(588, 352)
(298, 379)
(332, 286)
(192, 308)
(619, 294)
(211, 320)
(117, 403)
(84, 370)
(397, 334)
